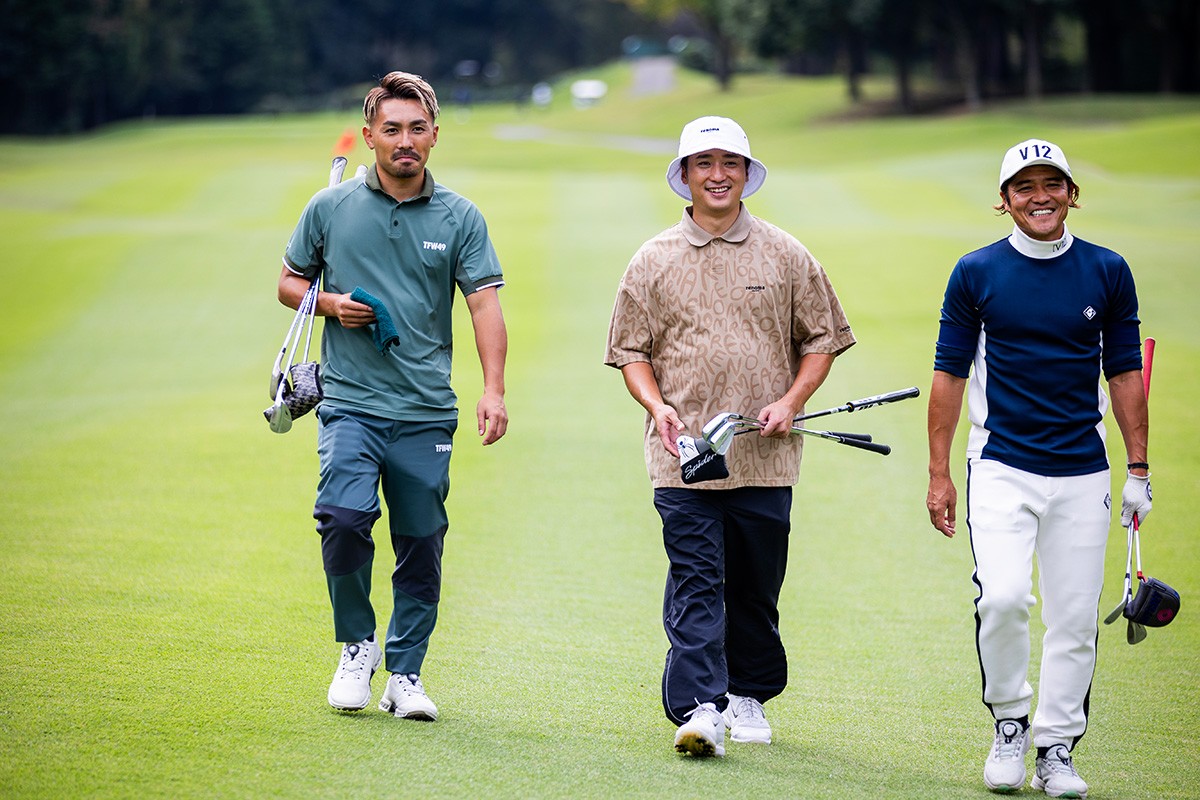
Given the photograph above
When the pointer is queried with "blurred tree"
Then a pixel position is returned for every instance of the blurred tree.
(1141, 45)
(74, 64)
(728, 24)
(839, 27)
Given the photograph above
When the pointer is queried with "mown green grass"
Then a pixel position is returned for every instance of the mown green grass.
(162, 606)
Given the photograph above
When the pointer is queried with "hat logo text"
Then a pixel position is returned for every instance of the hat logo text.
(1039, 151)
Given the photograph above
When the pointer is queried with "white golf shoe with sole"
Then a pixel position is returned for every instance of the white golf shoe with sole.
(1004, 771)
(405, 697)
(746, 720)
(703, 734)
(1055, 775)
(351, 687)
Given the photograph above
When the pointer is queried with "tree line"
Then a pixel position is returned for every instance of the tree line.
(76, 64)
(968, 50)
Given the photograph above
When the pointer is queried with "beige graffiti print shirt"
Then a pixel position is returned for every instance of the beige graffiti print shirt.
(724, 321)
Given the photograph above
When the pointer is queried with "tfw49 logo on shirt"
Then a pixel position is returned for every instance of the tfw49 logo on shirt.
(434, 245)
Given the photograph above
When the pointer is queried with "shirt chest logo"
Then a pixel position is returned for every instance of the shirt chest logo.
(1089, 312)
(439, 246)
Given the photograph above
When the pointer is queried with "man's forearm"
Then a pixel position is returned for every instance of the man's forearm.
(491, 338)
(1130, 410)
(945, 407)
(642, 385)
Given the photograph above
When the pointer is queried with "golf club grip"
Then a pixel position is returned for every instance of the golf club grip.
(862, 437)
(1148, 366)
(880, 399)
(336, 170)
(874, 447)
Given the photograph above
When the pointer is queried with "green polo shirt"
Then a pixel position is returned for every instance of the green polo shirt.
(410, 256)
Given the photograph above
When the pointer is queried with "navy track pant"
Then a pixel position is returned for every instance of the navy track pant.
(728, 554)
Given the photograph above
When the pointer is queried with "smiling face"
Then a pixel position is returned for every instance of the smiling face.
(1038, 199)
(716, 179)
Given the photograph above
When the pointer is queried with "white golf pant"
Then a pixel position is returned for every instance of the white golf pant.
(1012, 515)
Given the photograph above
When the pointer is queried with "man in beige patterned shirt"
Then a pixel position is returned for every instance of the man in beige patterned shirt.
(723, 312)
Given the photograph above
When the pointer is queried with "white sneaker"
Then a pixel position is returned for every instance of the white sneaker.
(1056, 776)
(405, 697)
(746, 720)
(703, 734)
(351, 687)
(1005, 768)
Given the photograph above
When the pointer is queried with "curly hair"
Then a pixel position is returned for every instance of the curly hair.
(404, 86)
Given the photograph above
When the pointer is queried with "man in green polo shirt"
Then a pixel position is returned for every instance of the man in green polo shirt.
(398, 242)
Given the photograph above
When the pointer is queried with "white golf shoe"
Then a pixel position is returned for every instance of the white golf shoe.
(1005, 768)
(351, 687)
(703, 734)
(405, 698)
(746, 720)
(1055, 774)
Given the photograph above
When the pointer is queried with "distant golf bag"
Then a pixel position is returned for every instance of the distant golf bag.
(299, 391)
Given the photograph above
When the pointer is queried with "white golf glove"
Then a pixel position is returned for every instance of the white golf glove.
(1135, 499)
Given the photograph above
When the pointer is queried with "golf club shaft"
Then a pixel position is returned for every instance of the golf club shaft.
(796, 429)
(861, 440)
(866, 402)
(1126, 591)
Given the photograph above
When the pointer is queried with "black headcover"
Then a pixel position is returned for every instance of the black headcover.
(706, 465)
(1154, 605)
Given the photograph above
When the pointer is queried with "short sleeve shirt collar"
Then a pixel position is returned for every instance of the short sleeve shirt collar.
(426, 188)
(698, 237)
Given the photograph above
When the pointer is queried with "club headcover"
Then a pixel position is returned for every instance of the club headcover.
(705, 465)
(1154, 605)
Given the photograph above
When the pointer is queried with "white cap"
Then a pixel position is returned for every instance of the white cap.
(714, 133)
(1029, 153)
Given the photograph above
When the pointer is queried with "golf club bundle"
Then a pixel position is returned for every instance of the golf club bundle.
(298, 390)
(1155, 603)
(296, 386)
(706, 458)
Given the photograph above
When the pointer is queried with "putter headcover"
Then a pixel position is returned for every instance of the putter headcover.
(700, 462)
(1154, 605)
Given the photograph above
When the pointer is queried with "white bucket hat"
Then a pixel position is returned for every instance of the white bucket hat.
(714, 133)
(1030, 153)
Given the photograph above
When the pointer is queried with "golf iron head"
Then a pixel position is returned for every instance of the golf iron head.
(711, 428)
(1115, 614)
(721, 437)
(720, 430)
(279, 416)
(1135, 633)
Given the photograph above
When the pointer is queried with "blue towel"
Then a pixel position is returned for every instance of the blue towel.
(384, 330)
